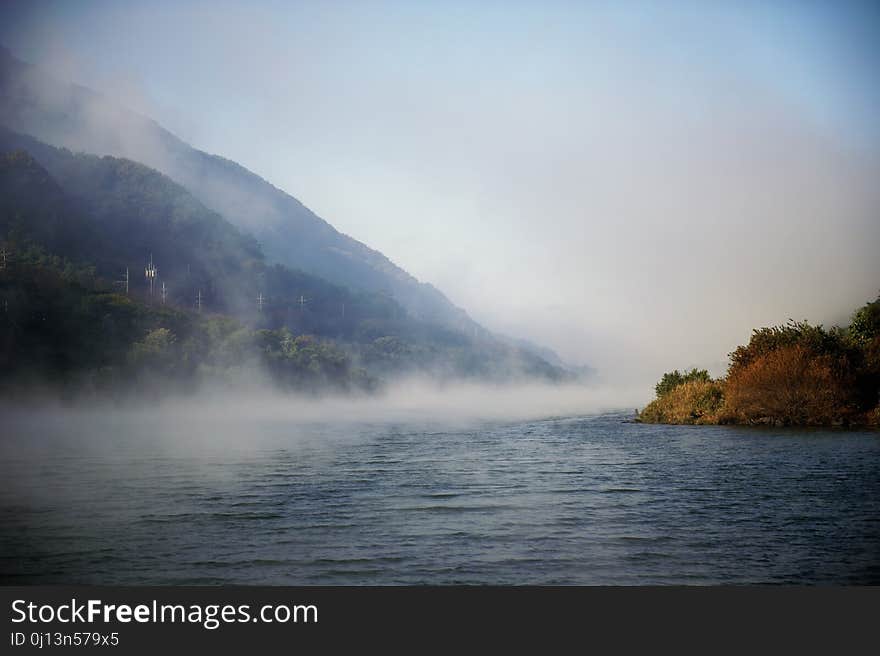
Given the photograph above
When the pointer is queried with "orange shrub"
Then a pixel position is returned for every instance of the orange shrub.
(790, 385)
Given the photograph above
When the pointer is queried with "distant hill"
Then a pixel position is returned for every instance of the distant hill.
(112, 214)
(75, 117)
(115, 214)
(64, 329)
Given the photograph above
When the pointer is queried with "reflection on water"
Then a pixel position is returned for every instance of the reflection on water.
(587, 500)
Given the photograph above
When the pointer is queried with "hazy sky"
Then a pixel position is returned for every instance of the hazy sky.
(634, 184)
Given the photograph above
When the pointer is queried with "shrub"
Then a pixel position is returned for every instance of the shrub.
(767, 340)
(865, 323)
(673, 379)
(157, 350)
(792, 384)
(696, 401)
(793, 374)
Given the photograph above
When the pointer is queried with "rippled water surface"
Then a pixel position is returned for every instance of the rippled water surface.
(587, 500)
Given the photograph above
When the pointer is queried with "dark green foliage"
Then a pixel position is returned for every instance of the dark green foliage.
(765, 340)
(156, 353)
(57, 321)
(305, 362)
(864, 332)
(55, 329)
(70, 238)
(673, 379)
(865, 323)
(35, 210)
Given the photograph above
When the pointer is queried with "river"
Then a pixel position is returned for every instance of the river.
(564, 500)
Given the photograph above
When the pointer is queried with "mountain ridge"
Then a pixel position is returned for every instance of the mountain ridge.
(81, 212)
(76, 117)
(73, 116)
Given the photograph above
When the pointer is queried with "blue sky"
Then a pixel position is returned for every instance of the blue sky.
(574, 172)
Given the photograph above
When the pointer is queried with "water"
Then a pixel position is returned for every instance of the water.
(584, 500)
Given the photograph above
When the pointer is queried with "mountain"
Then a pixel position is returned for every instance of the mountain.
(63, 214)
(72, 116)
(63, 328)
(116, 214)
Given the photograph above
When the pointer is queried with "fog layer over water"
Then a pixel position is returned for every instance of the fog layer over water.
(474, 484)
(220, 417)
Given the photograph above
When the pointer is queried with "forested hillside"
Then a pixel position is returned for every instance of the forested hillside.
(64, 114)
(72, 225)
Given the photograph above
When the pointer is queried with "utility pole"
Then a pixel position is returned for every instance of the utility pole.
(150, 272)
(302, 301)
(343, 310)
(260, 302)
(164, 292)
(123, 282)
(199, 301)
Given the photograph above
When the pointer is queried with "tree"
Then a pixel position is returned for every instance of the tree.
(865, 324)
(790, 385)
(673, 379)
(156, 353)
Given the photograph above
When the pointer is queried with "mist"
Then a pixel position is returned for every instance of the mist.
(525, 159)
(221, 424)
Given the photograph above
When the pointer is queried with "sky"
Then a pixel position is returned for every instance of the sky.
(634, 184)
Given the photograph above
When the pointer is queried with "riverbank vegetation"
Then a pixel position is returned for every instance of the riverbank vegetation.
(796, 374)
